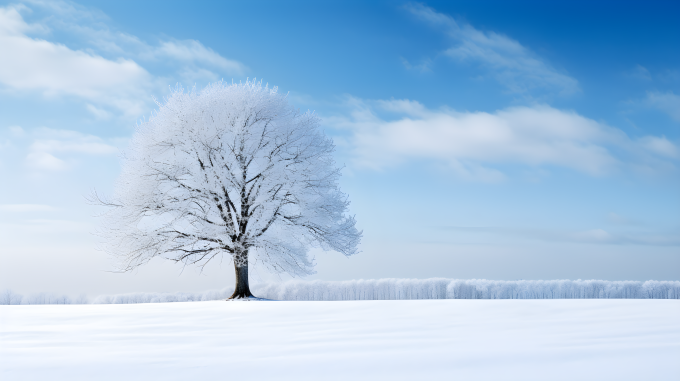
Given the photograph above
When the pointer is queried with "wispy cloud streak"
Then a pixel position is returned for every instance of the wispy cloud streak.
(667, 102)
(509, 62)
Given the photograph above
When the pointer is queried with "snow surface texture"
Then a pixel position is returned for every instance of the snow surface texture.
(393, 289)
(353, 340)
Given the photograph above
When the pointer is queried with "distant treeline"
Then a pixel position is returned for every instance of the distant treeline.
(392, 289)
(441, 288)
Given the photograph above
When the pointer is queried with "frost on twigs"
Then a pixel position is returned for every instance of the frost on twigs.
(230, 170)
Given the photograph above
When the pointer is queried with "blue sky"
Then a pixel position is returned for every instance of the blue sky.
(480, 139)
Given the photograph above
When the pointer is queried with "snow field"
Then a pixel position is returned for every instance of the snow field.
(352, 340)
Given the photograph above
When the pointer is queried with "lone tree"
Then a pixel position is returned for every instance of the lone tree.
(230, 170)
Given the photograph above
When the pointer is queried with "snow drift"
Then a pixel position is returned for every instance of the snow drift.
(393, 289)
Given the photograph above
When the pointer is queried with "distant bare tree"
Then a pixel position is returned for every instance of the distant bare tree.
(230, 170)
(8, 297)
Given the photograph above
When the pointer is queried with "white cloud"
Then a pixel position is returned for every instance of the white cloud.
(54, 69)
(50, 142)
(666, 102)
(47, 149)
(92, 27)
(640, 72)
(660, 146)
(13, 24)
(98, 113)
(192, 51)
(423, 67)
(510, 63)
(45, 161)
(16, 131)
(106, 71)
(89, 145)
(472, 143)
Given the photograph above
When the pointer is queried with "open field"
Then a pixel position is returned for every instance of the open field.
(364, 340)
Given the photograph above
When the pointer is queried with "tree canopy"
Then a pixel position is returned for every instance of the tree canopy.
(230, 170)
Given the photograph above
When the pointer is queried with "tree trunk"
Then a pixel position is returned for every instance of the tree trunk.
(242, 289)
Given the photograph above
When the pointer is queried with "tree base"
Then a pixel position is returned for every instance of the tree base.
(251, 299)
(242, 295)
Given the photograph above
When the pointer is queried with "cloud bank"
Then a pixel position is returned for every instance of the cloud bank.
(385, 133)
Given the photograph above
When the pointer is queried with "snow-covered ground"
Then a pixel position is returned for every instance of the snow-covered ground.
(352, 340)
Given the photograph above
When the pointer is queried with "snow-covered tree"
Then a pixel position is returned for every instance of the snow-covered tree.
(230, 170)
